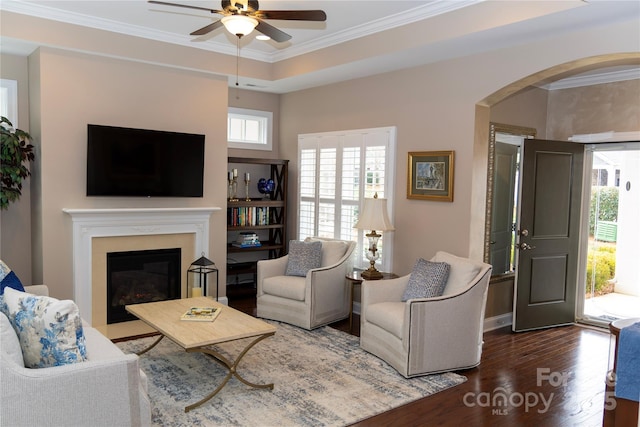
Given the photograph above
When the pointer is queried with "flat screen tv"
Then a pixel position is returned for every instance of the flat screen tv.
(143, 163)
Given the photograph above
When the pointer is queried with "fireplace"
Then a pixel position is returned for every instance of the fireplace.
(97, 232)
(140, 276)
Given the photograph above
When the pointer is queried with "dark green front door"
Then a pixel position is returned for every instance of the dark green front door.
(549, 231)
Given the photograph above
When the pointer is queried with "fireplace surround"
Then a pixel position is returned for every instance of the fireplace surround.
(90, 226)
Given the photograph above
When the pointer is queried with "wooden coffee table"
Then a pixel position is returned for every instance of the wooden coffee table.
(230, 325)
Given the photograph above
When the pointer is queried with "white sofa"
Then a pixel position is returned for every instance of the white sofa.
(320, 298)
(108, 389)
(423, 336)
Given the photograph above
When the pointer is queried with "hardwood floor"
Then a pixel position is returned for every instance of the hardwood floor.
(552, 377)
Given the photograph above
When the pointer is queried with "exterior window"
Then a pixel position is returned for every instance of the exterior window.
(9, 100)
(337, 171)
(249, 129)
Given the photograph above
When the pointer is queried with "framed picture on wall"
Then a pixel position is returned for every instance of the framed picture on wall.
(430, 175)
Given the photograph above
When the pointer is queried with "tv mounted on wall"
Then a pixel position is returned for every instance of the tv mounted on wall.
(144, 163)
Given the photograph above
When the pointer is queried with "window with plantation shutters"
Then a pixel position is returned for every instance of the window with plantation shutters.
(337, 171)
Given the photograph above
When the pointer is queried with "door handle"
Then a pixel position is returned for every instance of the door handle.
(524, 246)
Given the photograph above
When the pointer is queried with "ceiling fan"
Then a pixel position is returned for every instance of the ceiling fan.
(241, 17)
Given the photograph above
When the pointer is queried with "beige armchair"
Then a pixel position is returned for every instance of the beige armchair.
(427, 335)
(320, 298)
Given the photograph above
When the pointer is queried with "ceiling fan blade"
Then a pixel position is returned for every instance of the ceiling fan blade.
(293, 15)
(273, 32)
(207, 29)
(186, 5)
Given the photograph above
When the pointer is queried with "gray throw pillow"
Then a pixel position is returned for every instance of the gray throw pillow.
(427, 280)
(303, 256)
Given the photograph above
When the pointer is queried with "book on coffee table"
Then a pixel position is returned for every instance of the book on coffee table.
(201, 314)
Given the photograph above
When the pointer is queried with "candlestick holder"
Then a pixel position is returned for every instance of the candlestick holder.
(246, 189)
(233, 188)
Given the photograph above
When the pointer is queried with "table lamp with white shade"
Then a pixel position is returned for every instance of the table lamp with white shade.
(373, 217)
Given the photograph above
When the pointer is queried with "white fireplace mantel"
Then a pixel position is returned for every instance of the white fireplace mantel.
(90, 223)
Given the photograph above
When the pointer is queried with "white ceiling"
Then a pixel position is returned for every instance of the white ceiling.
(346, 20)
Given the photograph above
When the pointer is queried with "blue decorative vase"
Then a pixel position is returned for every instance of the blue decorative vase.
(266, 186)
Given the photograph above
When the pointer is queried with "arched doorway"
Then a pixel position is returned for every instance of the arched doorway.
(480, 215)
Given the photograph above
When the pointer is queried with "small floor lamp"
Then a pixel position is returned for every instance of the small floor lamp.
(373, 217)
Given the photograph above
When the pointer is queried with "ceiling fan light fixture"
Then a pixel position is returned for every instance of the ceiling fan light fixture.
(263, 37)
(239, 25)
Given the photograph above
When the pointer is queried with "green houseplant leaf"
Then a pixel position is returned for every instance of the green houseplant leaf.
(16, 150)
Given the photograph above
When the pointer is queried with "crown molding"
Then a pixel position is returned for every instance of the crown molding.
(46, 12)
(594, 79)
(437, 7)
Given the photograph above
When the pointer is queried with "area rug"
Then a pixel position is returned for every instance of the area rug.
(321, 377)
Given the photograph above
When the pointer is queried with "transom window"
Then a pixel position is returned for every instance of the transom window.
(249, 129)
(337, 171)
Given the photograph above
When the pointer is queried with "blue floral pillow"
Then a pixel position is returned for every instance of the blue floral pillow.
(427, 280)
(3, 306)
(303, 256)
(8, 279)
(49, 330)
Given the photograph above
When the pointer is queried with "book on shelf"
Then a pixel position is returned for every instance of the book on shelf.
(246, 245)
(247, 235)
(201, 314)
(246, 216)
(248, 238)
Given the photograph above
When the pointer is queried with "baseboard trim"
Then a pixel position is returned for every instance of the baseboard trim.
(496, 322)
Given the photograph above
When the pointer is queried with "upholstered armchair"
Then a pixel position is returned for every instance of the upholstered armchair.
(320, 297)
(427, 335)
